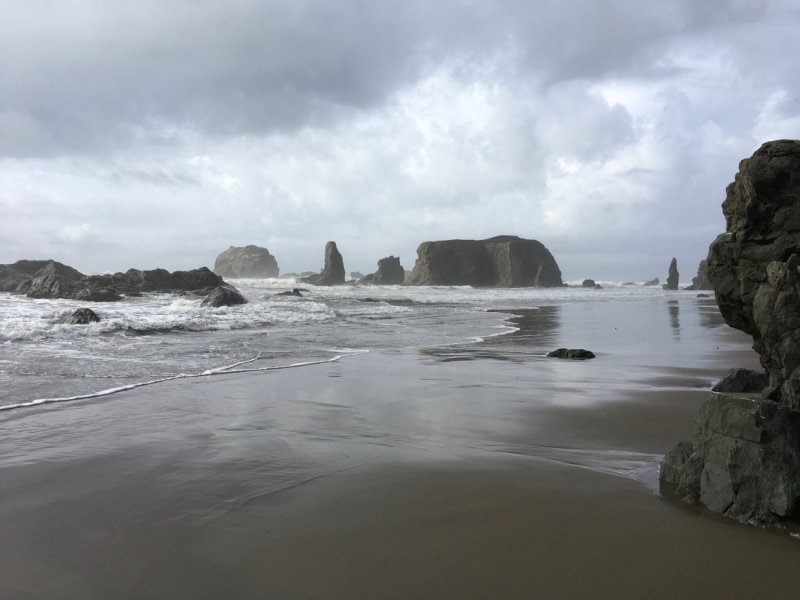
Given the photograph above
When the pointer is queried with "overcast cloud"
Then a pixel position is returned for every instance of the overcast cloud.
(151, 133)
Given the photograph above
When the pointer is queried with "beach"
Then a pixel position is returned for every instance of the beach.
(473, 470)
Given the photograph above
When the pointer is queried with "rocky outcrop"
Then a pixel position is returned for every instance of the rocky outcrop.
(741, 381)
(571, 353)
(701, 282)
(672, 276)
(333, 271)
(251, 261)
(652, 282)
(503, 261)
(224, 295)
(743, 458)
(80, 316)
(51, 279)
(390, 272)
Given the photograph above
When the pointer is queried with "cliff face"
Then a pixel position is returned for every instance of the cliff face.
(701, 282)
(503, 261)
(743, 458)
(246, 262)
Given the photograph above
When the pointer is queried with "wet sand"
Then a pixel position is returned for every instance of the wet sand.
(385, 475)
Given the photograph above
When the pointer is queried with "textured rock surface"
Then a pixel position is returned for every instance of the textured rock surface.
(224, 295)
(503, 261)
(81, 316)
(51, 279)
(741, 381)
(246, 262)
(672, 276)
(333, 271)
(654, 281)
(743, 458)
(390, 272)
(701, 282)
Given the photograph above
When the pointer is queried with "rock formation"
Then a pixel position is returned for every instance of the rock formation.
(701, 282)
(51, 279)
(390, 272)
(503, 261)
(80, 316)
(652, 282)
(333, 271)
(251, 261)
(571, 353)
(743, 458)
(741, 381)
(672, 276)
(224, 295)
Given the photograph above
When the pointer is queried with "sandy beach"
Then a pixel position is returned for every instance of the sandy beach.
(400, 474)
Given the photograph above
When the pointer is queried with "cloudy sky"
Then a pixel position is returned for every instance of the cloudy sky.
(156, 134)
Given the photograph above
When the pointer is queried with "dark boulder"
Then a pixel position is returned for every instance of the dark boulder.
(333, 271)
(672, 276)
(503, 261)
(743, 458)
(294, 292)
(571, 353)
(89, 294)
(701, 282)
(390, 272)
(246, 262)
(157, 280)
(588, 283)
(224, 295)
(651, 282)
(741, 381)
(81, 316)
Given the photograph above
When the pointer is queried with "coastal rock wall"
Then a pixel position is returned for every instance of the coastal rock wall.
(503, 261)
(246, 262)
(743, 458)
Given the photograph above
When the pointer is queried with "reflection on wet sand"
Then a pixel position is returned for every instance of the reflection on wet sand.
(536, 330)
(674, 317)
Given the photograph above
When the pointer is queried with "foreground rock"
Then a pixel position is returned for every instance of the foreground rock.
(672, 276)
(742, 381)
(390, 272)
(701, 282)
(51, 279)
(81, 316)
(743, 458)
(503, 261)
(571, 353)
(333, 271)
(224, 295)
(246, 262)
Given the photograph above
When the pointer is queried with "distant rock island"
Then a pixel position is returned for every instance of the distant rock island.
(333, 271)
(672, 276)
(243, 262)
(743, 457)
(701, 282)
(52, 279)
(390, 272)
(502, 261)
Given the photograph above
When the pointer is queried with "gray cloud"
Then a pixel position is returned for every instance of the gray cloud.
(606, 129)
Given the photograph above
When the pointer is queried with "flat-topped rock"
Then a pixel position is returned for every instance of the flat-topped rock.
(253, 262)
(503, 261)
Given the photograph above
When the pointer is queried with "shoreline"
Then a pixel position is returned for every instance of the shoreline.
(401, 474)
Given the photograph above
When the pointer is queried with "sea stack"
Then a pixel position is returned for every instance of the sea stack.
(333, 271)
(390, 272)
(503, 261)
(246, 262)
(743, 457)
(701, 282)
(672, 276)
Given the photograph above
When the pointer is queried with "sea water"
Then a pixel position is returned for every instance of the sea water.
(155, 337)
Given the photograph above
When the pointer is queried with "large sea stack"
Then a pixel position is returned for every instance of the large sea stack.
(672, 276)
(390, 272)
(743, 458)
(701, 282)
(251, 261)
(503, 261)
(333, 271)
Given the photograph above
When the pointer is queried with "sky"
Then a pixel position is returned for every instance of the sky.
(157, 134)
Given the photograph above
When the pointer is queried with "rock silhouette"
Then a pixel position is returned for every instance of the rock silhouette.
(333, 271)
(246, 262)
(503, 261)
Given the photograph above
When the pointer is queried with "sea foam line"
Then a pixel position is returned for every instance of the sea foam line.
(220, 371)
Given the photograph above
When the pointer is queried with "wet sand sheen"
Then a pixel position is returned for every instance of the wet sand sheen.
(387, 475)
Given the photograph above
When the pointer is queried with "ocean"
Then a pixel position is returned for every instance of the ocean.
(145, 340)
